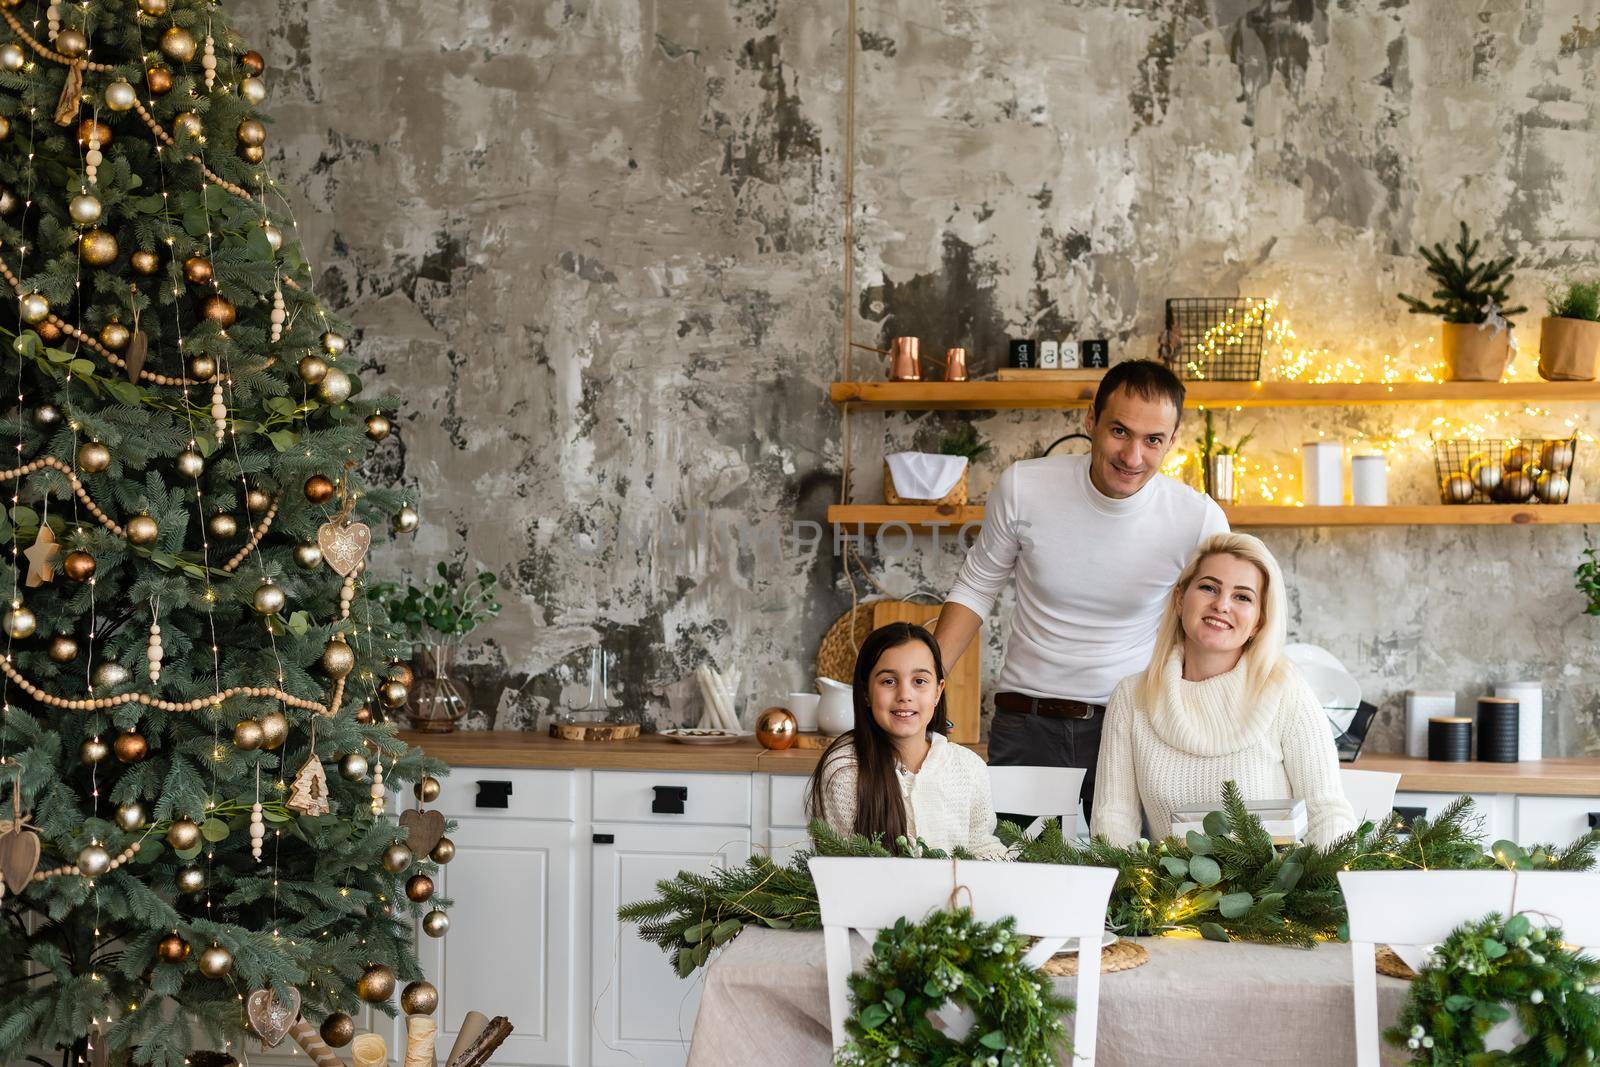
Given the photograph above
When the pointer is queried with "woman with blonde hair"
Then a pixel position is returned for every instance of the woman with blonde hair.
(1218, 702)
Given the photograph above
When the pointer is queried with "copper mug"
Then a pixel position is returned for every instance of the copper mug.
(904, 363)
(955, 364)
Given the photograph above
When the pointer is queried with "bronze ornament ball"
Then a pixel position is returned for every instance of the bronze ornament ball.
(33, 308)
(48, 332)
(130, 747)
(248, 735)
(98, 130)
(252, 63)
(436, 923)
(98, 248)
(94, 751)
(172, 949)
(142, 530)
(338, 1030)
(319, 489)
(402, 673)
(72, 44)
(335, 387)
(223, 525)
(188, 122)
(376, 984)
(378, 426)
(94, 860)
(63, 648)
(397, 858)
(216, 962)
(426, 788)
(777, 728)
(83, 208)
(393, 694)
(364, 715)
(268, 599)
(79, 566)
(419, 888)
(115, 336)
(5, 127)
(93, 457)
(130, 816)
(178, 43)
(308, 555)
(443, 852)
(191, 879)
(274, 730)
(419, 998)
(256, 500)
(313, 368)
(20, 622)
(183, 834)
(252, 132)
(159, 78)
(220, 310)
(197, 269)
(202, 367)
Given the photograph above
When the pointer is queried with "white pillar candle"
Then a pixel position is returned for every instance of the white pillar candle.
(1322, 472)
(1369, 479)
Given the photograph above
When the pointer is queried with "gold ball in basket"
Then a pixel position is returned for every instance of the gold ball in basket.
(216, 962)
(776, 728)
(397, 857)
(1556, 456)
(444, 851)
(338, 1030)
(426, 788)
(1485, 475)
(1552, 487)
(436, 923)
(419, 888)
(419, 998)
(1517, 486)
(274, 730)
(1457, 488)
(1517, 458)
(376, 984)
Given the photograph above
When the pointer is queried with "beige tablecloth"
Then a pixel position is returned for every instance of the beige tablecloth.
(1194, 1003)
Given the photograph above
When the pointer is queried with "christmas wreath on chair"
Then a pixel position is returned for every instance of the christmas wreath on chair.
(911, 1000)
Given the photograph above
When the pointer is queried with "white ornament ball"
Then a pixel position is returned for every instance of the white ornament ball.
(120, 96)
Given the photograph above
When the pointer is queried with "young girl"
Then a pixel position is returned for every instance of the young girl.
(894, 774)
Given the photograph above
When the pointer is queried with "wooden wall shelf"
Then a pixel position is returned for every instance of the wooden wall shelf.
(872, 517)
(958, 396)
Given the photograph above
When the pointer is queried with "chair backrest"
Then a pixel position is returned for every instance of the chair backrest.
(1421, 908)
(1053, 903)
(1371, 793)
(1042, 792)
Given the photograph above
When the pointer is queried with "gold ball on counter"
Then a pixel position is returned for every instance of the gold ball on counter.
(111, 674)
(419, 887)
(130, 816)
(159, 78)
(425, 789)
(338, 658)
(72, 44)
(254, 90)
(252, 132)
(183, 834)
(115, 336)
(84, 209)
(319, 489)
(443, 852)
(89, 129)
(120, 96)
(191, 464)
(1556, 456)
(145, 262)
(93, 860)
(777, 728)
(268, 599)
(257, 501)
(63, 648)
(220, 310)
(1517, 486)
(142, 530)
(1484, 474)
(98, 248)
(216, 962)
(248, 735)
(153, 7)
(397, 858)
(393, 694)
(93, 457)
(308, 554)
(130, 747)
(191, 879)
(333, 343)
(1516, 458)
(1553, 487)
(313, 368)
(79, 566)
(274, 730)
(376, 984)
(94, 751)
(178, 43)
(335, 387)
(223, 525)
(33, 308)
(406, 519)
(436, 923)
(419, 998)
(172, 949)
(1456, 488)
(197, 269)
(378, 426)
(202, 368)
(188, 122)
(338, 1030)
(20, 622)
(252, 63)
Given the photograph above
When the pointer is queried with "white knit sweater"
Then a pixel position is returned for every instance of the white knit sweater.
(947, 801)
(1178, 754)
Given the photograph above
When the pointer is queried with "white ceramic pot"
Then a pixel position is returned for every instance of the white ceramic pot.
(837, 712)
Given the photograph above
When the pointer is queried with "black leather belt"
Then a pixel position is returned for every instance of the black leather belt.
(1046, 707)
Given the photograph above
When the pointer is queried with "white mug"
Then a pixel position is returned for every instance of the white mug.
(804, 707)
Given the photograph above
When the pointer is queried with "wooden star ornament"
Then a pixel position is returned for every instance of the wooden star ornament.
(42, 557)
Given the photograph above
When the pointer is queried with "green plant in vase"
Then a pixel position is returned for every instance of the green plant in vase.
(1219, 476)
(437, 618)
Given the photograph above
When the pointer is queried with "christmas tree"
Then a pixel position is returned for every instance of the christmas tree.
(188, 636)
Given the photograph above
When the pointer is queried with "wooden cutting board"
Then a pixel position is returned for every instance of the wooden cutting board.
(962, 697)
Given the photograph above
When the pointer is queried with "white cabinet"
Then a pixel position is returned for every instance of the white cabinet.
(786, 822)
(1495, 810)
(1555, 820)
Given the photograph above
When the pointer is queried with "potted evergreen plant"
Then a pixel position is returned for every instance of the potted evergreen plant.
(1471, 298)
(1569, 338)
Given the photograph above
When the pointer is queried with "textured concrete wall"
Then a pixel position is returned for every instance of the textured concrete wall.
(597, 249)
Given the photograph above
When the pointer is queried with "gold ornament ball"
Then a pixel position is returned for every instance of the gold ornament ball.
(159, 79)
(183, 834)
(145, 262)
(776, 728)
(9, 202)
(1517, 458)
(268, 599)
(34, 308)
(72, 43)
(1484, 474)
(426, 788)
(93, 860)
(252, 63)
(313, 368)
(419, 998)
(252, 153)
(1457, 488)
(110, 674)
(308, 554)
(188, 122)
(251, 131)
(338, 1030)
(20, 622)
(79, 566)
(220, 310)
(274, 235)
(436, 923)
(338, 659)
(172, 949)
(130, 816)
(89, 129)
(376, 984)
(153, 8)
(393, 694)
(216, 962)
(130, 747)
(335, 387)
(197, 269)
(191, 879)
(178, 44)
(223, 525)
(191, 464)
(202, 368)
(397, 857)
(84, 209)
(120, 96)
(256, 500)
(93, 457)
(142, 530)
(274, 730)
(254, 91)
(63, 649)
(419, 888)
(378, 426)
(11, 57)
(248, 735)
(94, 751)
(1556, 456)
(333, 343)
(98, 248)
(406, 519)
(444, 851)
(1517, 486)
(319, 489)
(115, 336)
(46, 416)
(1552, 487)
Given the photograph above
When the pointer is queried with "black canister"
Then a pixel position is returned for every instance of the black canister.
(1450, 739)
(1497, 729)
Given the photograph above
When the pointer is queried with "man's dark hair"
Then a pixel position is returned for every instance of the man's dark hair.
(1143, 378)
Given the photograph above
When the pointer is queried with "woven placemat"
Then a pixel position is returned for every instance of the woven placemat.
(1121, 955)
(1392, 965)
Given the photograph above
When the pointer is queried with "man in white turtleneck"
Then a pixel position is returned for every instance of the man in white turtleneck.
(1095, 543)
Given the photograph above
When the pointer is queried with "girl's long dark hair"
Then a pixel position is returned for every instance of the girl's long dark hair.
(879, 808)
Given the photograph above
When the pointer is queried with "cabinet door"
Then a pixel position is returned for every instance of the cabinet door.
(509, 950)
(643, 1012)
(1555, 820)
(1497, 810)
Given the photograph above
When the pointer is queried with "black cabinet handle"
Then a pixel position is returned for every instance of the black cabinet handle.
(1594, 820)
(1407, 814)
(605, 839)
(494, 794)
(670, 799)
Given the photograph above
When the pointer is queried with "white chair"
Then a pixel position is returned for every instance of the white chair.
(1052, 903)
(1042, 792)
(1406, 909)
(1371, 793)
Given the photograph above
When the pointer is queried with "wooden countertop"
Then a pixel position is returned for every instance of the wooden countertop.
(1555, 777)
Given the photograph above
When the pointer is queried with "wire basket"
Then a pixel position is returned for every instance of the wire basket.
(1216, 339)
(1505, 472)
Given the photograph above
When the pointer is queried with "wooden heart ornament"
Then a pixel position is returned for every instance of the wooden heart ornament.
(423, 829)
(269, 1017)
(19, 856)
(344, 545)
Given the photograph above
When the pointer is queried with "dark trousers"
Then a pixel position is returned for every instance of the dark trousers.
(1020, 740)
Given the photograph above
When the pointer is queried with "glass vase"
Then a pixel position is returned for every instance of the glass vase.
(439, 699)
